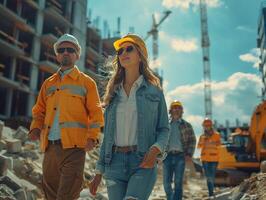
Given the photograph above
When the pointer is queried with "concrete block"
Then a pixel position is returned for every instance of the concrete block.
(20, 194)
(6, 192)
(263, 167)
(2, 145)
(21, 134)
(7, 133)
(18, 164)
(2, 124)
(29, 188)
(7, 163)
(13, 145)
(10, 180)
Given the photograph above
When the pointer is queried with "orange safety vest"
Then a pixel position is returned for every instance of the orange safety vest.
(80, 111)
(209, 147)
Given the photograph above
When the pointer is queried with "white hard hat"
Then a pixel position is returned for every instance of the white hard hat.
(67, 38)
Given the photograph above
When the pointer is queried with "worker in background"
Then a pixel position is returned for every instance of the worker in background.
(209, 143)
(67, 118)
(136, 125)
(181, 146)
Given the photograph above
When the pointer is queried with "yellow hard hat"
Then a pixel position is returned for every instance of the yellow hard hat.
(176, 103)
(133, 38)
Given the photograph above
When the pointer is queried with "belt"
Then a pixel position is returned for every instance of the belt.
(124, 149)
(174, 152)
(54, 141)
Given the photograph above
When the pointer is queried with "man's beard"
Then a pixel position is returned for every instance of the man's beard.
(66, 61)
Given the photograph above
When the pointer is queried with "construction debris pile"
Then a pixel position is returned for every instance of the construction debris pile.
(251, 189)
(20, 166)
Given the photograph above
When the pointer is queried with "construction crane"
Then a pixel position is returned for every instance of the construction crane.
(205, 44)
(154, 33)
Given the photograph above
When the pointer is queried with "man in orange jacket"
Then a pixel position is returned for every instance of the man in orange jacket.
(67, 118)
(209, 142)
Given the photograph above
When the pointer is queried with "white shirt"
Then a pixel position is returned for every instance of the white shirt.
(126, 116)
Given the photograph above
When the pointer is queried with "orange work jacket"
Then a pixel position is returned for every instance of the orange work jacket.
(209, 147)
(80, 111)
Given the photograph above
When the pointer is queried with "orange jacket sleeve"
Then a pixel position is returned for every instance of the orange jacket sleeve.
(218, 142)
(201, 142)
(38, 110)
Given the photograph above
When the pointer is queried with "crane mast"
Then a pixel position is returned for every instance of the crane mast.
(205, 44)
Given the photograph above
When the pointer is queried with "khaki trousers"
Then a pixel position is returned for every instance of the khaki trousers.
(63, 172)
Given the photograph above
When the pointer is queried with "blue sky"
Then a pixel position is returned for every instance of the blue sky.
(233, 53)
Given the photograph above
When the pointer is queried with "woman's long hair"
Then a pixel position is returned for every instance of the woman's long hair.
(119, 76)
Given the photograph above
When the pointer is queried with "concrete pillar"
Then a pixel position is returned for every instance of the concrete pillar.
(2, 124)
(36, 50)
(80, 28)
(8, 105)
(13, 69)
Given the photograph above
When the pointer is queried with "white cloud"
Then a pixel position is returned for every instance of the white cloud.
(180, 44)
(234, 98)
(244, 28)
(251, 57)
(155, 64)
(186, 4)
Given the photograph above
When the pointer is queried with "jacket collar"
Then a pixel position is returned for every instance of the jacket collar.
(73, 74)
(141, 81)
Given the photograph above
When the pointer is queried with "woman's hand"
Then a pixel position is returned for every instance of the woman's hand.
(93, 186)
(150, 158)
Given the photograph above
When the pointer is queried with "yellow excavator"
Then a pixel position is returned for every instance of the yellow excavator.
(242, 154)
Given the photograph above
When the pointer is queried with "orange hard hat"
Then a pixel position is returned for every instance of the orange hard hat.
(207, 122)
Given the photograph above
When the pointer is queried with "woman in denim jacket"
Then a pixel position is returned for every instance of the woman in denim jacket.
(136, 125)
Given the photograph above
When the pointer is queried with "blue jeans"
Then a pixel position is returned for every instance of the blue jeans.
(173, 168)
(210, 171)
(125, 179)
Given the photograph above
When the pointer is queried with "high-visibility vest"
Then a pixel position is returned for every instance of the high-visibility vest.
(80, 111)
(209, 147)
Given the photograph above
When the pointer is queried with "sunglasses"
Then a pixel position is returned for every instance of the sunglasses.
(128, 49)
(68, 49)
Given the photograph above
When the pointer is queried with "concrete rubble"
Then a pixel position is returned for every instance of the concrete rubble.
(21, 175)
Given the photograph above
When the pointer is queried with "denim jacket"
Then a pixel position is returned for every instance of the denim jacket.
(153, 124)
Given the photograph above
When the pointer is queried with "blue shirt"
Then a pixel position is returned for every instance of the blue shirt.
(175, 143)
(55, 133)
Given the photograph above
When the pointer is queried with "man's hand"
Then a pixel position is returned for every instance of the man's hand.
(91, 143)
(150, 158)
(34, 134)
(93, 186)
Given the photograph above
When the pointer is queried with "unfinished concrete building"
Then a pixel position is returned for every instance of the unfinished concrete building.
(28, 30)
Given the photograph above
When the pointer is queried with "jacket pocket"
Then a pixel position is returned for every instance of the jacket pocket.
(74, 103)
(152, 102)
